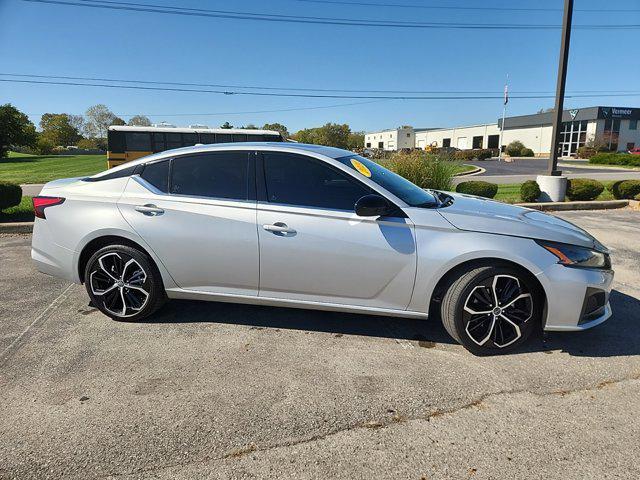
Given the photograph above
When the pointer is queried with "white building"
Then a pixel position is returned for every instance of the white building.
(396, 139)
(615, 127)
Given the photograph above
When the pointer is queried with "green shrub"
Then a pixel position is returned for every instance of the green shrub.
(586, 152)
(478, 188)
(87, 144)
(424, 169)
(583, 189)
(10, 195)
(44, 146)
(475, 154)
(613, 188)
(637, 197)
(616, 159)
(514, 149)
(530, 191)
(526, 152)
(628, 189)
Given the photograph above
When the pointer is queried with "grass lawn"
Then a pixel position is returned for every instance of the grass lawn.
(510, 193)
(20, 213)
(464, 168)
(22, 168)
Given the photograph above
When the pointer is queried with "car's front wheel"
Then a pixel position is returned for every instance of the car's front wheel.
(124, 283)
(491, 310)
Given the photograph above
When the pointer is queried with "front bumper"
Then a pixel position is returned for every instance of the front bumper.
(568, 290)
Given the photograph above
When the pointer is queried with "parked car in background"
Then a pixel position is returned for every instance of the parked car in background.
(315, 227)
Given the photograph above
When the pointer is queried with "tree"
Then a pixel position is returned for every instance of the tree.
(226, 125)
(118, 121)
(139, 121)
(15, 129)
(44, 145)
(356, 141)
(99, 118)
(57, 128)
(331, 134)
(88, 144)
(278, 127)
(515, 148)
(77, 122)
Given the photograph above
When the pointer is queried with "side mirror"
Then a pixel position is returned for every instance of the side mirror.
(372, 206)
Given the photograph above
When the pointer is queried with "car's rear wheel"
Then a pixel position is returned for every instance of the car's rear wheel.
(491, 310)
(124, 283)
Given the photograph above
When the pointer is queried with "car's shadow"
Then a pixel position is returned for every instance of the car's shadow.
(184, 311)
(619, 336)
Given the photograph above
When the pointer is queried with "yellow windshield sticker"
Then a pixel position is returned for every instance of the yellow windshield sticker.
(359, 166)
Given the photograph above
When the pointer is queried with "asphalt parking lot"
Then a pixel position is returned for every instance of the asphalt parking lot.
(211, 390)
(522, 169)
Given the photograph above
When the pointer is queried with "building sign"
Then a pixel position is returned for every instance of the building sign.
(573, 114)
(616, 112)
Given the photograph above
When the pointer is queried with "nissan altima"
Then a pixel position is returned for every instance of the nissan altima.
(307, 226)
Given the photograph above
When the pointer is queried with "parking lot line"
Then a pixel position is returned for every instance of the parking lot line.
(13, 346)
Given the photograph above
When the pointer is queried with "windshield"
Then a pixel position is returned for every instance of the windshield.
(402, 188)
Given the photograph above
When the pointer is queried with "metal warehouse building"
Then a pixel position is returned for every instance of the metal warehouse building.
(616, 127)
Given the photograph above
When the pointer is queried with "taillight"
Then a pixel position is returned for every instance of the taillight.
(40, 203)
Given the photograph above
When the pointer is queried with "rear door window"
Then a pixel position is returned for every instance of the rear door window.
(214, 175)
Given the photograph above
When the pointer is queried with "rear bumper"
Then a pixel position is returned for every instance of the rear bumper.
(49, 257)
(567, 290)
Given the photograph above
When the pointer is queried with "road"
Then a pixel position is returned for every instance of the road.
(521, 170)
(211, 390)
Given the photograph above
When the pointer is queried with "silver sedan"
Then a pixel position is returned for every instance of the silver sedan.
(314, 227)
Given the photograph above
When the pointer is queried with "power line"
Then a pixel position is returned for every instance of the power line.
(194, 12)
(454, 7)
(200, 114)
(298, 95)
(270, 88)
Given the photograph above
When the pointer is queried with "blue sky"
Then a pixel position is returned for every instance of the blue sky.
(60, 40)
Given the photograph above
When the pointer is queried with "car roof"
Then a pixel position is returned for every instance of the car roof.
(330, 152)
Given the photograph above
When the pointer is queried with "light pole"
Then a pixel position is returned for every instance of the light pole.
(562, 80)
(553, 185)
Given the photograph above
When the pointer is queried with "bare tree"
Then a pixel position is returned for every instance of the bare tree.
(139, 121)
(98, 119)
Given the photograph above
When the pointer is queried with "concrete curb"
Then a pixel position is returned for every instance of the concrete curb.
(477, 171)
(590, 205)
(16, 227)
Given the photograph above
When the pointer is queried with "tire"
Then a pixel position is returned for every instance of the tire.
(124, 283)
(470, 316)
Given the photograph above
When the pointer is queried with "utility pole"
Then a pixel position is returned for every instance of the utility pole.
(562, 78)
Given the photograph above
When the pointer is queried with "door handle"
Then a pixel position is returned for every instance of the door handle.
(279, 227)
(149, 210)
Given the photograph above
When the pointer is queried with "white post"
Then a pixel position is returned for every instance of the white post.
(504, 115)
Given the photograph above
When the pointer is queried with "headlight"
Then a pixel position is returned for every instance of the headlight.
(574, 256)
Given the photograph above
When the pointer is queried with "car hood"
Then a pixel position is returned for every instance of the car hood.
(479, 214)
